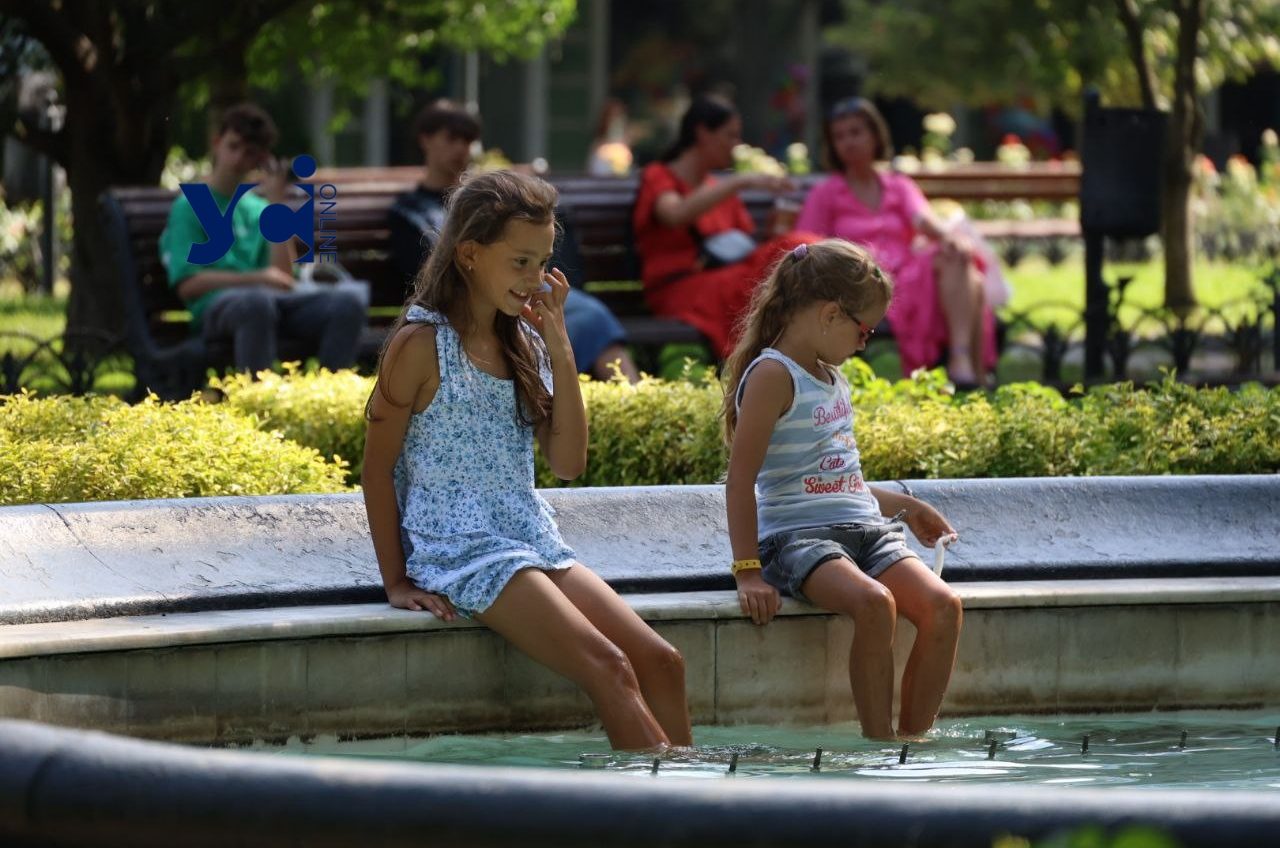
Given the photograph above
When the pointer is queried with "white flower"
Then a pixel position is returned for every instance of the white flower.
(939, 123)
(906, 163)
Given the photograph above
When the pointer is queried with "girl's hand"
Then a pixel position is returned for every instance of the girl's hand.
(757, 598)
(545, 311)
(927, 523)
(408, 596)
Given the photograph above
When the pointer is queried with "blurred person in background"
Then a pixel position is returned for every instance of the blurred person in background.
(699, 259)
(939, 297)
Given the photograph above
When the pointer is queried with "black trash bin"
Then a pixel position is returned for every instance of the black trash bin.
(1122, 155)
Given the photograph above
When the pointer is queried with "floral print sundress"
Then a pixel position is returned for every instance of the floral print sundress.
(470, 517)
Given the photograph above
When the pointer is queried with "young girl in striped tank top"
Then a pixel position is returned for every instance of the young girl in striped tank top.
(801, 518)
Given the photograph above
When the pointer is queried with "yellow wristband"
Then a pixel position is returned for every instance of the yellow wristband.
(745, 565)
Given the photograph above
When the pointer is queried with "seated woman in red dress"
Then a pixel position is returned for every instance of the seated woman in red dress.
(938, 295)
(699, 263)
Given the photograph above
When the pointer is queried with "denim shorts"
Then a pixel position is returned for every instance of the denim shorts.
(791, 556)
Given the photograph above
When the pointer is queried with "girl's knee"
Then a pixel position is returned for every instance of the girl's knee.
(945, 611)
(610, 667)
(662, 659)
(873, 609)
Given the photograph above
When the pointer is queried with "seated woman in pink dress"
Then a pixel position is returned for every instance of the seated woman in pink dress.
(938, 299)
(699, 261)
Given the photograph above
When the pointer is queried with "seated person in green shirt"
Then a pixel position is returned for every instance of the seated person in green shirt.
(247, 295)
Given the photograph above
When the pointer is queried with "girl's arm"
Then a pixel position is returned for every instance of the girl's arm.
(767, 395)
(672, 210)
(925, 522)
(563, 439)
(407, 379)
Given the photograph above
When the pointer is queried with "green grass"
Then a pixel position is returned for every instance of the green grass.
(36, 315)
(43, 317)
(1049, 292)
(1036, 284)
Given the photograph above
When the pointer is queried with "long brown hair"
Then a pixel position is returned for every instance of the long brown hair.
(479, 211)
(832, 270)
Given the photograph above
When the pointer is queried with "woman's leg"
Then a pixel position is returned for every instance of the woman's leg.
(533, 614)
(955, 295)
(978, 340)
(840, 586)
(659, 667)
(935, 609)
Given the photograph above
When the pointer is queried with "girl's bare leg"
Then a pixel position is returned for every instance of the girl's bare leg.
(840, 586)
(659, 667)
(534, 615)
(935, 609)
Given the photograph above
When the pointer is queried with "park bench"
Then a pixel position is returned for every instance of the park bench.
(171, 362)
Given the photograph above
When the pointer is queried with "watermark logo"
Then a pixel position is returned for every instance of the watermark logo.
(278, 223)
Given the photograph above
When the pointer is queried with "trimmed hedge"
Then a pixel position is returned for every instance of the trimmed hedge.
(64, 448)
(321, 409)
(271, 436)
(668, 432)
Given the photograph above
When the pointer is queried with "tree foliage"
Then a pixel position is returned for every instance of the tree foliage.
(125, 67)
(351, 41)
(942, 52)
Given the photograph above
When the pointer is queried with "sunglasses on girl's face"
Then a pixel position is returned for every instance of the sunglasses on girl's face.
(866, 330)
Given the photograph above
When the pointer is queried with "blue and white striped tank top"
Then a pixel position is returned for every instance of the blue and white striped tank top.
(812, 473)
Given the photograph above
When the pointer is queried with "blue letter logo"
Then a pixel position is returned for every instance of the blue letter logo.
(278, 223)
(217, 225)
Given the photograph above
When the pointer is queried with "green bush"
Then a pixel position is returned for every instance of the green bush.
(669, 432)
(321, 409)
(652, 432)
(99, 448)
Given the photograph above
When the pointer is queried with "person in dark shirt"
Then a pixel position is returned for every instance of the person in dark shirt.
(445, 134)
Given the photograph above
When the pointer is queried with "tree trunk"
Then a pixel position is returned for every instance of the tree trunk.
(1185, 129)
(102, 154)
(1177, 234)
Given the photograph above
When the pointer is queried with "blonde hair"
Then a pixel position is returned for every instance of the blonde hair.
(479, 211)
(830, 270)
